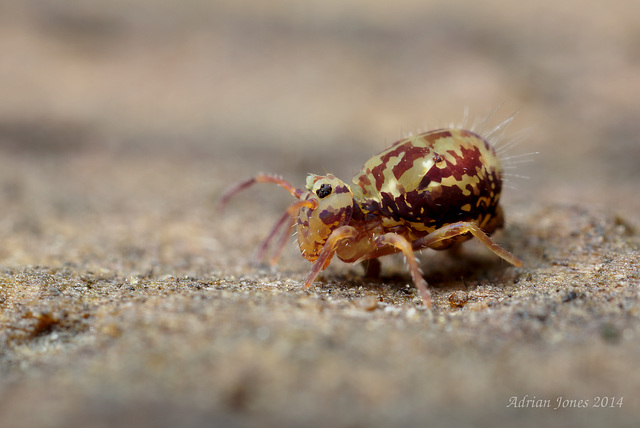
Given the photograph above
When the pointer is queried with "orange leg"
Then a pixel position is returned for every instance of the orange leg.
(329, 249)
(264, 246)
(284, 238)
(287, 217)
(456, 229)
(399, 242)
(372, 268)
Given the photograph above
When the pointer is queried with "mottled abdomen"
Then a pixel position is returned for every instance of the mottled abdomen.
(426, 181)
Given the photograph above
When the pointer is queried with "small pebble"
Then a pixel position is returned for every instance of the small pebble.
(368, 303)
(458, 299)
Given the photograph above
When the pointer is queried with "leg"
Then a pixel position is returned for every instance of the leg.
(371, 268)
(286, 235)
(451, 231)
(343, 232)
(262, 249)
(399, 242)
(288, 215)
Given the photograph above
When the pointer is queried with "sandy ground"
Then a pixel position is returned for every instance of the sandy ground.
(127, 298)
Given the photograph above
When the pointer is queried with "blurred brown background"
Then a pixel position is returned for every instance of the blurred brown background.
(311, 82)
(122, 121)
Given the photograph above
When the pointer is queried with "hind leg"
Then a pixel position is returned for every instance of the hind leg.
(372, 268)
(446, 236)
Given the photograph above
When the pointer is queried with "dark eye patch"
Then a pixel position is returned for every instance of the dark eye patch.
(324, 191)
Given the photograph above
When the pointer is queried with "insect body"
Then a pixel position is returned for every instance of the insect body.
(431, 190)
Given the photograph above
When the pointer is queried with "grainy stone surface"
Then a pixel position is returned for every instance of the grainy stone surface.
(128, 299)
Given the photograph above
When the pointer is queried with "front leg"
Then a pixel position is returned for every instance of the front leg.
(399, 242)
(328, 250)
